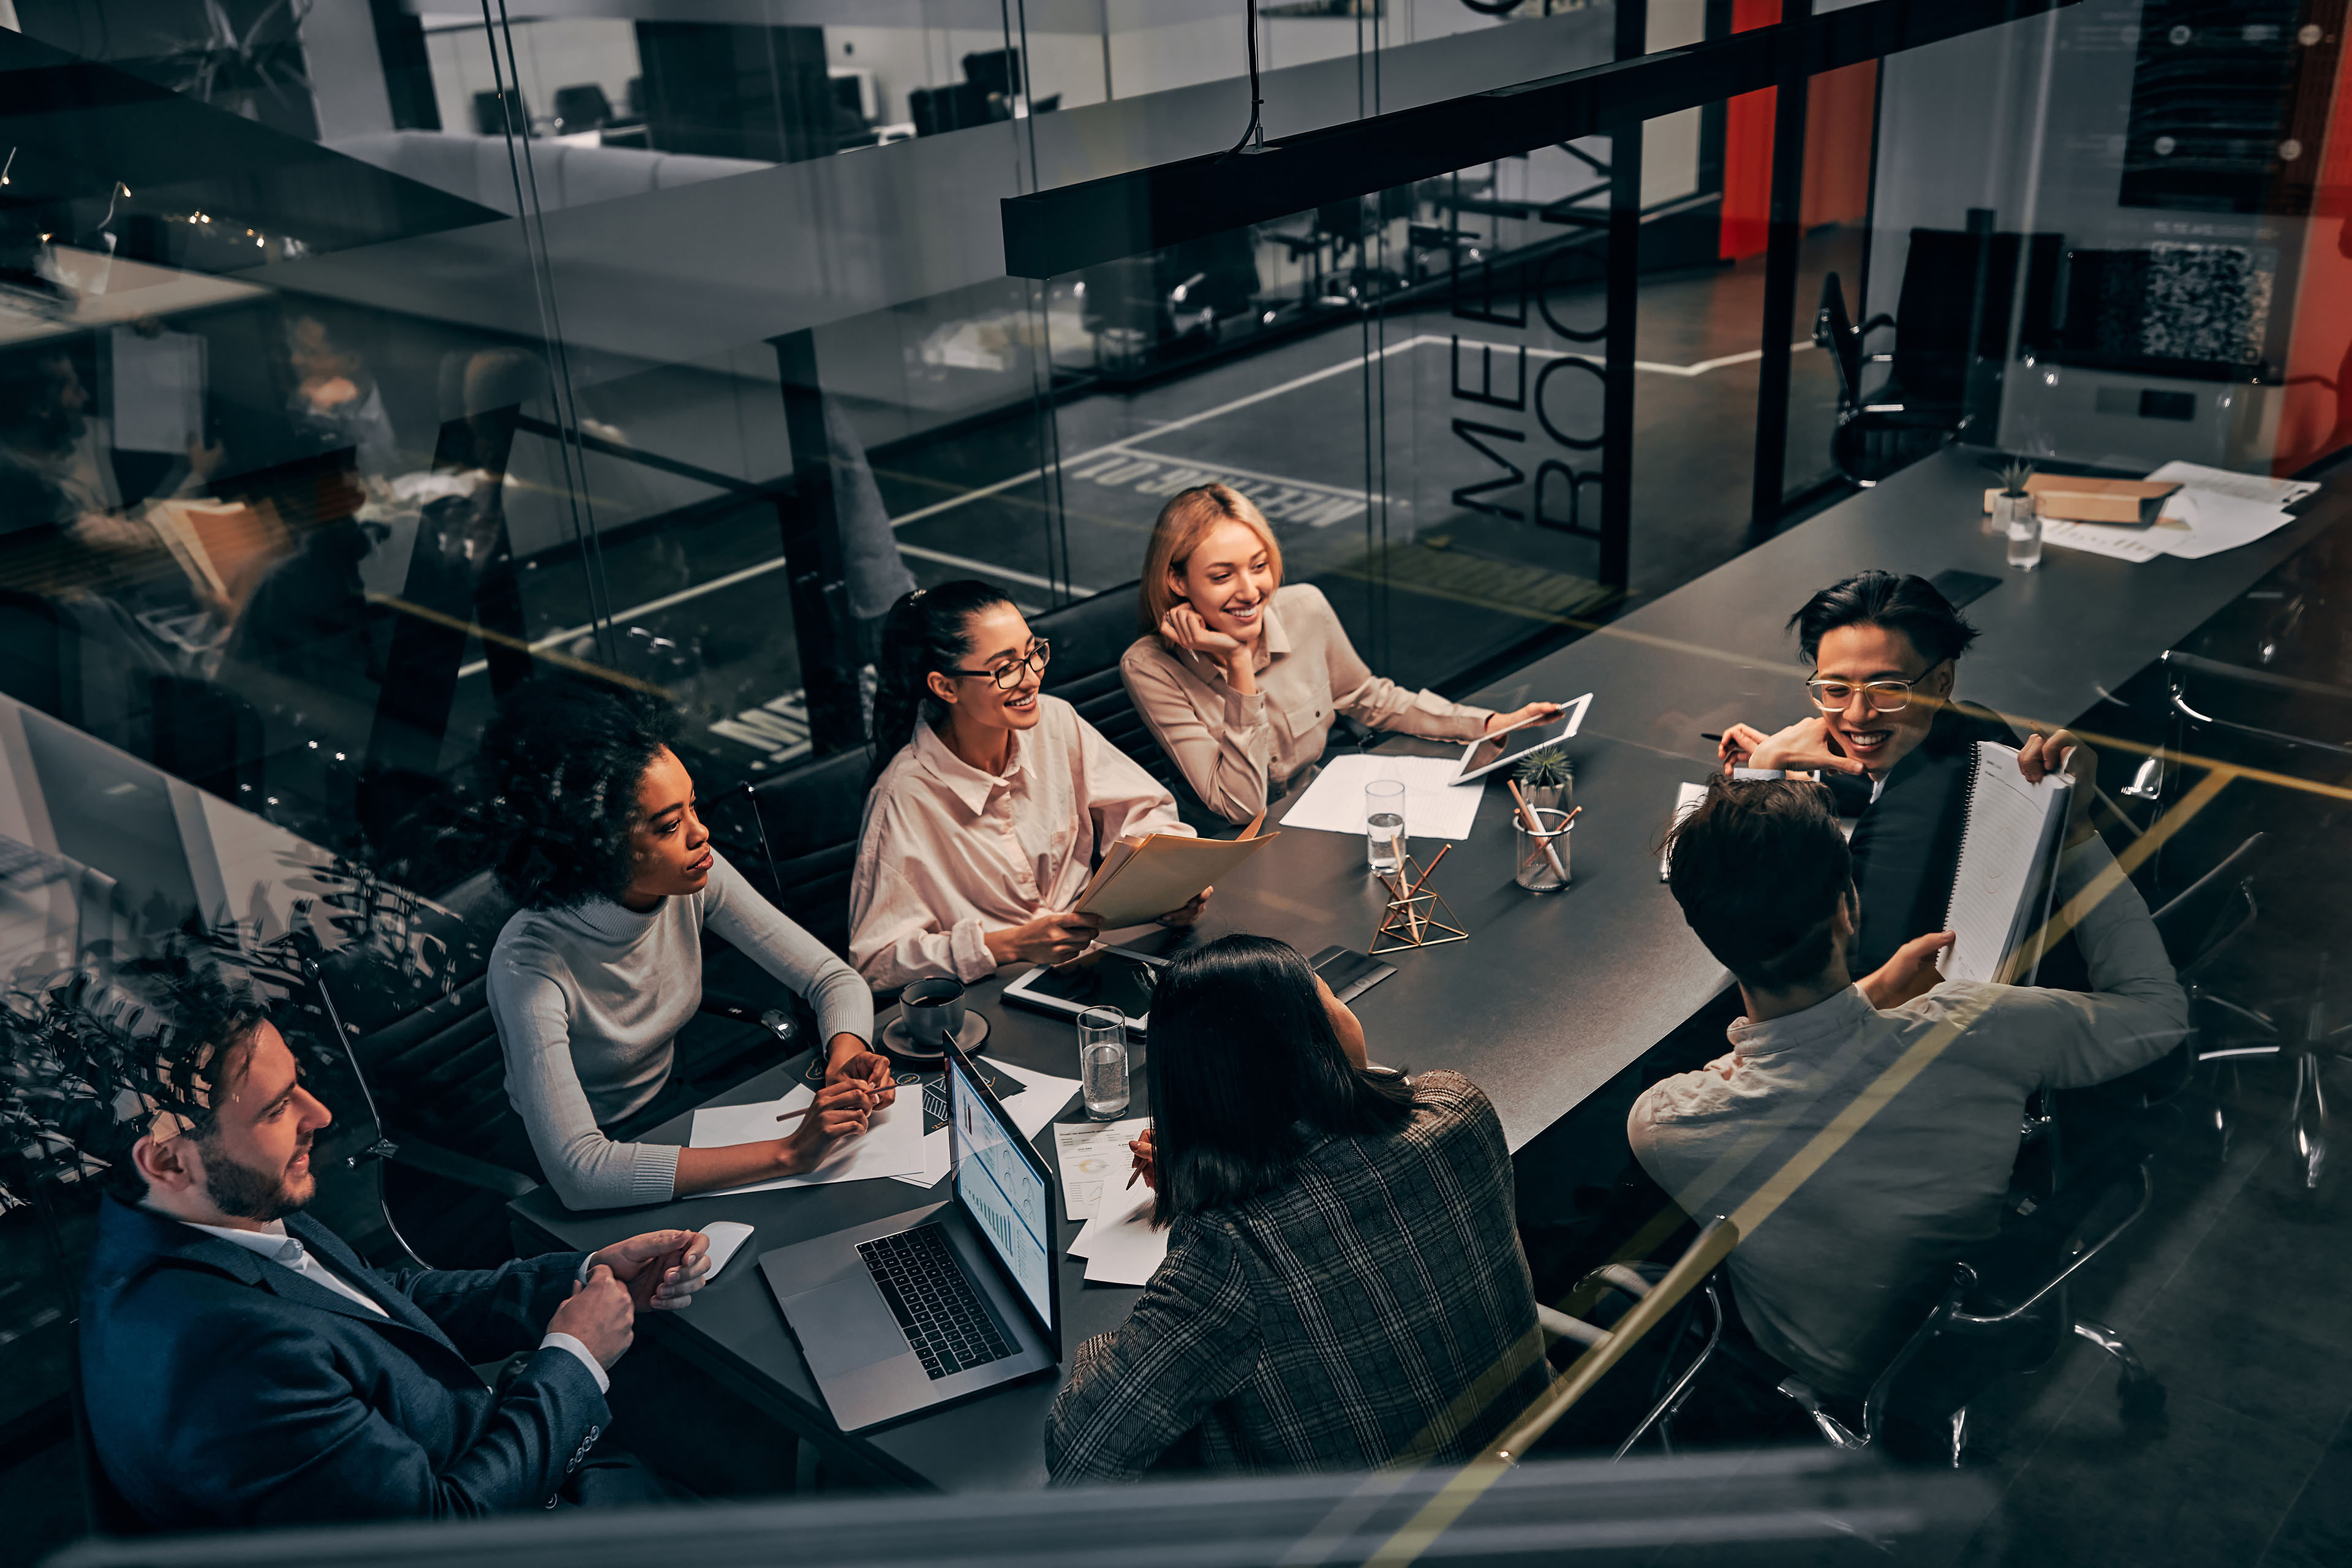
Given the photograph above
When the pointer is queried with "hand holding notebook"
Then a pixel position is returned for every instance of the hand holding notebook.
(2020, 811)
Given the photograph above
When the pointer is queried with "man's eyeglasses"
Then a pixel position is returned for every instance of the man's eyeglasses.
(1833, 696)
(1008, 675)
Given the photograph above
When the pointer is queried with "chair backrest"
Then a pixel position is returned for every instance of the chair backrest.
(810, 817)
(1833, 329)
(583, 107)
(2211, 912)
(438, 1073)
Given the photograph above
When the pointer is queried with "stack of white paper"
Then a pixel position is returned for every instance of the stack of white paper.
(2215, 509)
(1433, 807)
(1121, 1243)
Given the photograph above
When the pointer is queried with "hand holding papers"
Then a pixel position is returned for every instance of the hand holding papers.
(1138, 883)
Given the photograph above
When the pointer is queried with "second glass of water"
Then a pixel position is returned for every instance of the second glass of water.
(1384, 825)
(1102, 1061)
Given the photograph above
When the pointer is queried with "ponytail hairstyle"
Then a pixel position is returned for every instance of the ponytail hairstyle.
(925, 631)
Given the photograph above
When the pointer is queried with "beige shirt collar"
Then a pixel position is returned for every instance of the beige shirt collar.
(972, 786)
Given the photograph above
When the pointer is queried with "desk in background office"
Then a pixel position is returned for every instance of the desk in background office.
(1551, 996)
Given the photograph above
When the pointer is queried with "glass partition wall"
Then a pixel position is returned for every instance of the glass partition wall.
(362, 363)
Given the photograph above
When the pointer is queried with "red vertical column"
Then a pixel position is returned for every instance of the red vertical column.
(1747, 149)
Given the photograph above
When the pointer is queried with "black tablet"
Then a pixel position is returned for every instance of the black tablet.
(1107, 977)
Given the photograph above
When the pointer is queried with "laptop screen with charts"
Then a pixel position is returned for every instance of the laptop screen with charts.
(1004, 1188)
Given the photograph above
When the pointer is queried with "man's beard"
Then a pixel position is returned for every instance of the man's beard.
(248, 1194)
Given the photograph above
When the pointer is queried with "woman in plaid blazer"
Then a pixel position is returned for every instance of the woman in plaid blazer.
(1344, 1285)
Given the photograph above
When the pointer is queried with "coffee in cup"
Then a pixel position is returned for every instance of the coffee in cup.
(932, 1009)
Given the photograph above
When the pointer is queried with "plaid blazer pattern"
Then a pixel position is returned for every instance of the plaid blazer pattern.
(1375, 1308)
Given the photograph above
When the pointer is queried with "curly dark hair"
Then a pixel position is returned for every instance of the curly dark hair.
(560, 764)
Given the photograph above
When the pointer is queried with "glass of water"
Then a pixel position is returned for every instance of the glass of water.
(2025, 535)
(1384, 825)
(1102, 1061)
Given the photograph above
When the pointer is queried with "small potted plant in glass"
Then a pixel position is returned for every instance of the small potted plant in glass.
(2010, 500)
(1547, 779)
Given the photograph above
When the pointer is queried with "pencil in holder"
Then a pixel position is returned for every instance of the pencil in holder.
(1542, 856)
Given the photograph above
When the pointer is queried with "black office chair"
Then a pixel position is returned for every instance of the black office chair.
(581, 108)
(1940, 381)
(939, 109)
(2005, 1310)
(1877, 431)
(798, 832)
(501, 113)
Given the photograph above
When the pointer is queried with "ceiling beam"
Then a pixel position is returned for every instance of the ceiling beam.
(1048, 233)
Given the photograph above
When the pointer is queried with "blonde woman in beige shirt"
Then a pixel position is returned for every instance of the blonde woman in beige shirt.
(992, 802)
(1239, 678)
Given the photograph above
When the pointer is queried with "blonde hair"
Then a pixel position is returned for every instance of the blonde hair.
(1189, 518)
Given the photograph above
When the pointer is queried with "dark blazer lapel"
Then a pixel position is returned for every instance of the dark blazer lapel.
(341, 1259)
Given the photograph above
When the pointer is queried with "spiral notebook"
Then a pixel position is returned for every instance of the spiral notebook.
(2009, 869)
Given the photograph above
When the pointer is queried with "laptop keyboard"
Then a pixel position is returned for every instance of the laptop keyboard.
(936, 1306)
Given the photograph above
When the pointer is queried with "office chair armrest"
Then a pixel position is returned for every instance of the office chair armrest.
(2146, 1191)
(1558, 1325)
(775, 1020)
(435, 1161)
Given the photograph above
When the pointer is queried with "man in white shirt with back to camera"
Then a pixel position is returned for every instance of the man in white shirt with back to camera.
(1930, 1079)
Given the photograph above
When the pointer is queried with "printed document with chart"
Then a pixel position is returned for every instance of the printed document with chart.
(2002, 892)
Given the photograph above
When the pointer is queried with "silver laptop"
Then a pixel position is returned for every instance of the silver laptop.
(931, 1306)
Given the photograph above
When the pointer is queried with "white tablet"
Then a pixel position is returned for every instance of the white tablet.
(1485, 754)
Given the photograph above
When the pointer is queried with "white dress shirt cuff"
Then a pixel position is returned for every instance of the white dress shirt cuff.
(566, 1343)
(968, 950)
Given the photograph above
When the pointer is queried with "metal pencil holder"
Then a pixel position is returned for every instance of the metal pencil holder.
(1414, 919)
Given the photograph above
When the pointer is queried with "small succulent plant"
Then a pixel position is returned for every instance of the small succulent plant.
(2013, 476)
(1546, 766)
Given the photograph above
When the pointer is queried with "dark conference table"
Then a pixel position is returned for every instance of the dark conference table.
(1553, 995)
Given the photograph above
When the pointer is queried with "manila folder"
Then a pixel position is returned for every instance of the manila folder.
(1141, 882)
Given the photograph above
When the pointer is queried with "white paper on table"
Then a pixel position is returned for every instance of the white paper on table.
(892, 1144)
(1121, 1243)
(1036, 1102)
(2260, 489)
(2217, 521)
(1433, 807)
(1089, 1153)
(2123, 544)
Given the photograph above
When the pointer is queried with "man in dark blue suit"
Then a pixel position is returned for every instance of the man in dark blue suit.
(242, 1366)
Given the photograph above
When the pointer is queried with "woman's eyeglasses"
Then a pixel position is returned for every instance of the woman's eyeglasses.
(1008, 675)
(1834, 696)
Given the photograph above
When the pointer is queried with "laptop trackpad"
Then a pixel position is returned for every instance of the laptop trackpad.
(845, 1325)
